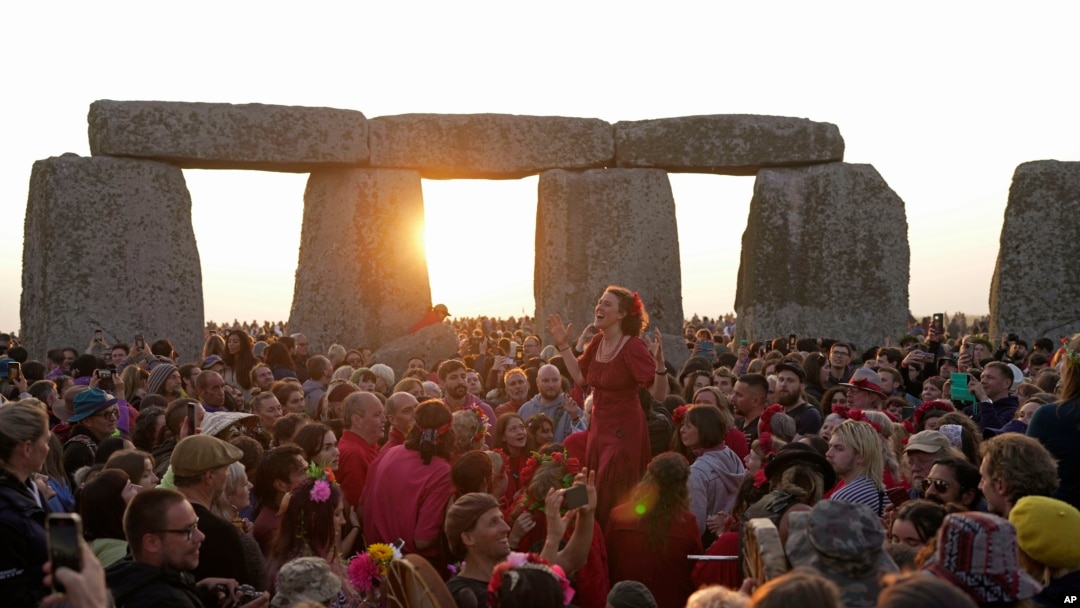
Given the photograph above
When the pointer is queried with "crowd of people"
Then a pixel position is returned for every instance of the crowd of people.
(545, 466)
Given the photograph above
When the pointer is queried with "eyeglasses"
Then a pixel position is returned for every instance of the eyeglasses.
(940, 485)
(187, 532)
(109, 414)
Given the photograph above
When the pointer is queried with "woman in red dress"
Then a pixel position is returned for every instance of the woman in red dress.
(615, 364)
(650, 537)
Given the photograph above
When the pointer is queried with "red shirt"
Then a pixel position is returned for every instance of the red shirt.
(356, 456)
(405, 498)
(396, 438)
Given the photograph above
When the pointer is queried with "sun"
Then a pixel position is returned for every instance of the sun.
(479, 238)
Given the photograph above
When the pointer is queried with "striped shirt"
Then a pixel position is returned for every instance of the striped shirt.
(863, 491)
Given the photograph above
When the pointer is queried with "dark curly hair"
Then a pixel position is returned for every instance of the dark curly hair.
(431, 415)
(664, 491)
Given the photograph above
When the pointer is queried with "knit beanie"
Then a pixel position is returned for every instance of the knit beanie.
(158, 376)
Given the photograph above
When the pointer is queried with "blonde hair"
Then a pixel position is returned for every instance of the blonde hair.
(21, 421)
(336, 354)
(717, 596)
(889, 458)
(861, 438)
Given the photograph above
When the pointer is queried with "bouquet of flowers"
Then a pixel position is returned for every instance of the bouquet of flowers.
(367, 569)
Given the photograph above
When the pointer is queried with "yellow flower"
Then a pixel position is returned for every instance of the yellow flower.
(381, 553)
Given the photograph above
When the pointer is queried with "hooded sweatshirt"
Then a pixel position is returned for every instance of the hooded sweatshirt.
(714, 483)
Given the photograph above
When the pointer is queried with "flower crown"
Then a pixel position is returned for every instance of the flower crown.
(571, 465)
(320, 491)
(856, 415)
(679, 415)
(1071, 356)
(636, 306)
(367, 569)
(766, 416)
(526, 561)
(912, 423)
(484, 424)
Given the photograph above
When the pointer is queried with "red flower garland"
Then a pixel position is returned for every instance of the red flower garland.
(679, 415)
(767, 415)
(923, 410)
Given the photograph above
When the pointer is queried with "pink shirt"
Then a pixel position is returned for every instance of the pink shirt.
(406, 499)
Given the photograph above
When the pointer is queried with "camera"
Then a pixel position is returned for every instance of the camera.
(247, 593)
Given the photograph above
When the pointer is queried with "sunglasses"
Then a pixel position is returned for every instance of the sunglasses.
(940, 485)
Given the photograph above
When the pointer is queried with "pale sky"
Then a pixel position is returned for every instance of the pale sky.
(944, 99)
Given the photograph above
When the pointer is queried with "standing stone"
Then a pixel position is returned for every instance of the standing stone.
(825, 254)
(607, 227)
(108, 244)
(362, 278)
(489, 146)
(227, 136)
(729, 144)
(1036, 283)
(433, 343)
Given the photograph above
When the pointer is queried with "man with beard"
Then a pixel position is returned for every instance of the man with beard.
(517, 391)
(453, 377)
(953, 480)
(262, 377)
(790, 380)
(557, 405)
(748, 399)
(162, 528)
(300, 356)
(165, 381)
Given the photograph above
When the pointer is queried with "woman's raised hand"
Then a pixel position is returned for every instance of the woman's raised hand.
(559, 333)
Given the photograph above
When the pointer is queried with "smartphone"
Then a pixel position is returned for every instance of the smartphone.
(959, 390)
(897, 496)
(744, 343)
(474, 346)
(105, 381)
(140, 341)
(14, 371)
(63, 531)
(191, 418)
(213, 332)
(793, 343)
(576, 496)
(939, 322)
(97, 336)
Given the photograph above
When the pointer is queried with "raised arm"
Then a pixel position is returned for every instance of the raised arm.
(560, 333)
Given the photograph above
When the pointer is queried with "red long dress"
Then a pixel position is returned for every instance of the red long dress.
(632, 557)
(618, 442)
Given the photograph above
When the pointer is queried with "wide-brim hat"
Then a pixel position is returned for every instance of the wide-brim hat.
(843, 542)
(90, 402)
(866, 379)
(306, 578)
(216, 422)
(977, 552)
(795, 452)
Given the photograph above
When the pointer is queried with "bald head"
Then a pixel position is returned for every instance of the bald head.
(549, 382)
(363, 412)
(401, 411)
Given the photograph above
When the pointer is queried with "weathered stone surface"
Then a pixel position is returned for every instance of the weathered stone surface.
(601, 227)
(488, 146)
(825, 254)
(729, 144)
(675, 351)
(1036, 282)
(433, 343)
(227, 136)
(108, 244)
(362, 277)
